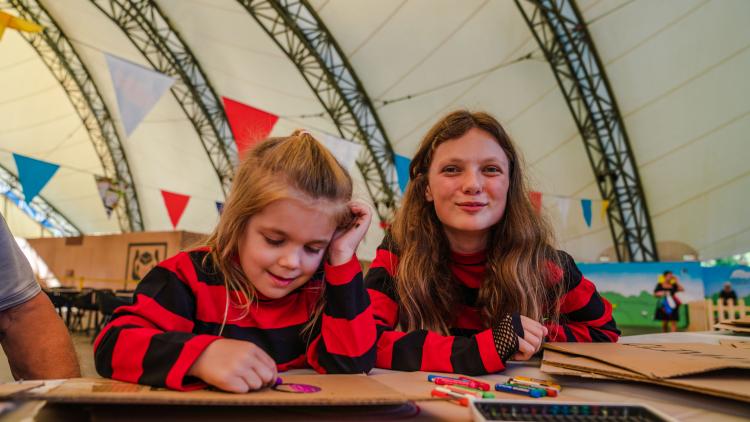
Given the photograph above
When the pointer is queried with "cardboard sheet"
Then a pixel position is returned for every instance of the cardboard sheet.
(336, 390)
(629, 362)
(660, 360)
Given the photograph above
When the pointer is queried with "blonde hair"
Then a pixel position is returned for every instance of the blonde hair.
(277, 168)
(519, 251)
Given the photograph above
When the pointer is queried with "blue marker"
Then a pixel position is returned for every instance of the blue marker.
(532, 392)
(432, 377)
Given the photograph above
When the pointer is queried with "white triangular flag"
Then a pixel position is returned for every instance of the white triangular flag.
(346, 152)
(137, 89)
(564, 204)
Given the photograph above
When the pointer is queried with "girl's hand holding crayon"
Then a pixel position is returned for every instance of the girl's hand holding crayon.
(346, 240)
(234, 365)
(532, 340)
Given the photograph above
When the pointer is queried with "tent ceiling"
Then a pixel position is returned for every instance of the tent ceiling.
(677, 69)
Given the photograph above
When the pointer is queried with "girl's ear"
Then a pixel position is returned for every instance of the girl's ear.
(428, 194)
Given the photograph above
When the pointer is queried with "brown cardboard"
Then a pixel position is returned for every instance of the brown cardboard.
(735, 344)
(336, 390)
(734, 384)
(660, 360)
(15, 387)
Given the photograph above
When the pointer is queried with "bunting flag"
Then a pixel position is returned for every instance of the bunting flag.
(345, 152)
(137, 89)
(605, 206)
(14, 22)
(402, 171)
(249, 124)
(219, 207)
(564, 205)
(109, 192)
(536, 201)
(586, 207)
(33, 175)
(175, 203)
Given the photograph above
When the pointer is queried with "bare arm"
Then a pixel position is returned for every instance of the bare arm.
(36, 341)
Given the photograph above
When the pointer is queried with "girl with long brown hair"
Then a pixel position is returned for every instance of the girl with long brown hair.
(467, 277)
(277, 286)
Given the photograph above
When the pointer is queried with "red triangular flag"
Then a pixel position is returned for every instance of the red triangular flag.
(536, 201)
(249, 125)
(175, 203)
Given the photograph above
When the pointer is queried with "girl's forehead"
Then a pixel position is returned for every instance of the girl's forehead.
(305, 220)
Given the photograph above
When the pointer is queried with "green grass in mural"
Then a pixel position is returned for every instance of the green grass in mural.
(638, 311)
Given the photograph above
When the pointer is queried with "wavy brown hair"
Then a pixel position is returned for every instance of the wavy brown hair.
(297, 166)
(519, 249)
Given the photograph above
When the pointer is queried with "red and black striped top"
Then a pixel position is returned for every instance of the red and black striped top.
(179, 308)
(584, 316)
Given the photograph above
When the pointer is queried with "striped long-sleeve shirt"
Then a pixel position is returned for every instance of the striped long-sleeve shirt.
(179, 309)
(584, 316)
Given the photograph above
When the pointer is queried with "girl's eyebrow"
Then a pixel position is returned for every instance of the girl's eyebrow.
(322, 242)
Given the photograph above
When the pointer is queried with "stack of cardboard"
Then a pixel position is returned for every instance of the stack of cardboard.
(740, 326)
(704, 368)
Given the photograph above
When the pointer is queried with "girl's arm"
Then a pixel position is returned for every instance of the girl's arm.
(585, 316)
(151, 342)
(346, 342)
(423, 350)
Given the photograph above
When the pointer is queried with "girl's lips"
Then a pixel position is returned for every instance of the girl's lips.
(471, 207)
(281, 280)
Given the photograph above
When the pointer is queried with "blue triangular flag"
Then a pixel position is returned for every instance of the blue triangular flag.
(33, 175)
(586, 206)
(219, 207)
(137, 90)
(402, 171)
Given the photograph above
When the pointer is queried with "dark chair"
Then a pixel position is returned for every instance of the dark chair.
(84, 309)
(107, 302)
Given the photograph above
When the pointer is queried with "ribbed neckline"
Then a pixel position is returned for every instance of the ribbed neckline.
(469, 259)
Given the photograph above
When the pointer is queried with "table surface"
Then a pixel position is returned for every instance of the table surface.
(681, 405)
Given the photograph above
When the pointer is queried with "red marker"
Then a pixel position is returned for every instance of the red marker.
(463, 401)
(482, 385)
(452, 381)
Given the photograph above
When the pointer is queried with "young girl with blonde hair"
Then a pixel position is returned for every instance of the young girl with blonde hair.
(467, 277)
(277, 286)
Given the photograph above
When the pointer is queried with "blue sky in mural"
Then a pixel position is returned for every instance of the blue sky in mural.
(739, 276)
(633, 278)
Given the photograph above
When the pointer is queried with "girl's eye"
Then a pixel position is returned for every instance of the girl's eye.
(493, 169)
(275, 242)
(451, 169)
(311, 250)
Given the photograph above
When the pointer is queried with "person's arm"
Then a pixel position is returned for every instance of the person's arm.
(585, 316)
(151, 342)
(346, 342)
(423, 350)
(36, 341)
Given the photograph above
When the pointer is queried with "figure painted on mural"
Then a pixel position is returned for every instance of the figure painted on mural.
(668, 303)
(727, 294)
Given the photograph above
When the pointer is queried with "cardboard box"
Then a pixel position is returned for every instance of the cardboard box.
(703, 368)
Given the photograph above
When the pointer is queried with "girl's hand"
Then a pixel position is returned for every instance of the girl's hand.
(346, 240)
(533, 338)
(234, 365)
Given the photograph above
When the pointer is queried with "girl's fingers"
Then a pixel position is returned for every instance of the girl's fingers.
(252, 379)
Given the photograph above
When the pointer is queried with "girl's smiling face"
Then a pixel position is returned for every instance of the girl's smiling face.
(468, 182)
(284, 243)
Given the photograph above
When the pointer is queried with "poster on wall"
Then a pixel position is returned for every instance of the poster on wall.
(629, 287)
(142, 257)
(737, 277)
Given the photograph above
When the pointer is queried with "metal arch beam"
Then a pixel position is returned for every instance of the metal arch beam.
(300, 33)
(562, 34)
(39, 209)
(152, 34)
(56, 51)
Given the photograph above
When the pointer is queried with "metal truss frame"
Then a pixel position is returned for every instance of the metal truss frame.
(56, 51)
(300, 33)
(562, 34)
(40, 210)
(153, 35)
